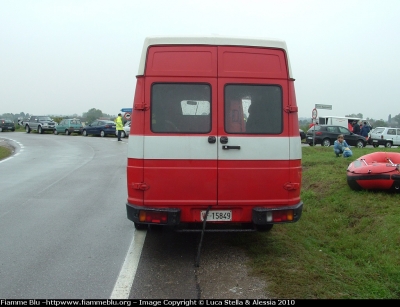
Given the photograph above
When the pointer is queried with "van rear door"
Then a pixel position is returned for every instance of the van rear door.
(253, 157)
(253, 163)
(180, 149)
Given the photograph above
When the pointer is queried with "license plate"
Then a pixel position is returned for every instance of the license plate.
(374, 141)
(9, 127)
(310, 138)
(215, 216)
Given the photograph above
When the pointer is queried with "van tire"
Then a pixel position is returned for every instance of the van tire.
(388, 144)
(141, 226)
(264, 227)
(39, 130)
(67, 132)
(27, 129)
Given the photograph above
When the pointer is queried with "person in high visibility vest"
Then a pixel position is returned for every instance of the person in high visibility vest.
(120, 125)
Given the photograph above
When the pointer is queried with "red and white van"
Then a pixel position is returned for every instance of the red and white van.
(214, 129)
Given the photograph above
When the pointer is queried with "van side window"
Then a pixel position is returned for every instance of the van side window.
(181, 108)
(391, 131)
(253, 109)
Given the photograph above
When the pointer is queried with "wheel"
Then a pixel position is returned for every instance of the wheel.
(102, 133)
(27, 129)
(123, 135)
(39, 130)
(326, 142)
(141, 226)
(264, 228)
(388, 144)
(311, 144)
(55, 132)
(67, 132)
(375, 145)
(84, 133)
(360, 144)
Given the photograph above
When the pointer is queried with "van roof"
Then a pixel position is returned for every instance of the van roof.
(211, 40)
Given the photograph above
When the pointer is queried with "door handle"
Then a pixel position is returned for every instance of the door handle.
(212, 139)
(230, 147)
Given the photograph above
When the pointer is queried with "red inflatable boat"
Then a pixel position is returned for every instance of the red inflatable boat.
(375, 171)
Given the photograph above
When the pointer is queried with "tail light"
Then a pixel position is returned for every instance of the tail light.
(153, 217)
(280, 216)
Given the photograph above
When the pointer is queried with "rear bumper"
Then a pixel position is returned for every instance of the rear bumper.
(260, 215)
(379, 141)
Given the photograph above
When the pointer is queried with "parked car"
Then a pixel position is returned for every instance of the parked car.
(39, 123)
(68, 126)
(302, 134)
(326, 135)
(126, 131)
(6, 124)
(385, 136)
(99, 127)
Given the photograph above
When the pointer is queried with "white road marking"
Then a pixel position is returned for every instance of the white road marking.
(127, 274)
(5, 159)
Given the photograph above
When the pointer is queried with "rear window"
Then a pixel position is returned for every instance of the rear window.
(181, 108)
(316, 127)
(254, 109)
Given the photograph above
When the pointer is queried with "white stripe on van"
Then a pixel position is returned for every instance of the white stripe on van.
(198, 148)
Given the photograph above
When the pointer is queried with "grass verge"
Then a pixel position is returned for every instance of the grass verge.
(346, 244)
(4, 152)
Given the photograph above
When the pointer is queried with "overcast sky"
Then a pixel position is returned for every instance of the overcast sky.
(64, 57)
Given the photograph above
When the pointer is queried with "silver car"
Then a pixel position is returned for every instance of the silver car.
(385, 136)
(126, 131)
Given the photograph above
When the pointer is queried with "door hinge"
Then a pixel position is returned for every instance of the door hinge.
(291, 109)
(291, 186)
(141, 106)
(140, 186)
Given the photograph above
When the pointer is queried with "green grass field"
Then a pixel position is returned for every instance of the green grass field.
(346, 244)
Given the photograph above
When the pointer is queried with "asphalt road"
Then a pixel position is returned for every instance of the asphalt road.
(63, 227)
(64, 232)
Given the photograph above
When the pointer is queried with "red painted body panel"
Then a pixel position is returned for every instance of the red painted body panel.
(186, 61)
(253, 63)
